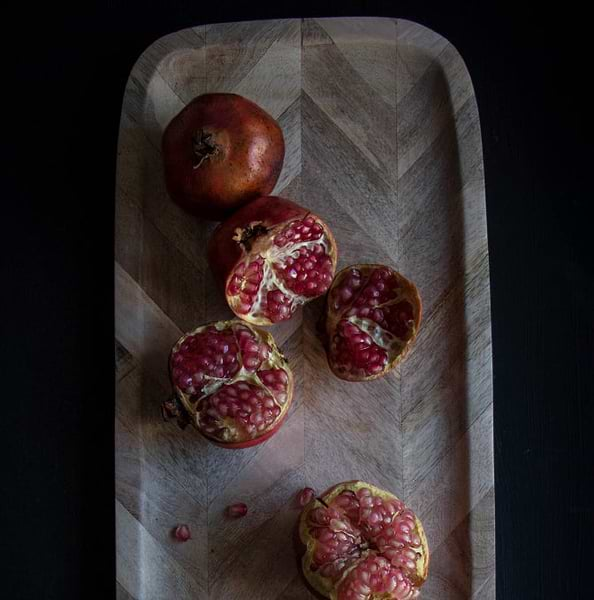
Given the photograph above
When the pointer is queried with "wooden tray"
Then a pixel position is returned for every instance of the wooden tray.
(383, 141)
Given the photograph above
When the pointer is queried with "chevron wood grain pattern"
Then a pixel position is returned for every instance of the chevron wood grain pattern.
(383, 140)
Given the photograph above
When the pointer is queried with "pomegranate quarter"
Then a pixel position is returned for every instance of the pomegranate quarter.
(372, 318)
(271, 256)
(360, 542)
(220, 152)
(231, 382)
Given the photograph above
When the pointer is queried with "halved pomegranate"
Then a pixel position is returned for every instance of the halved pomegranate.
(271, 256)
(231, 382)
(220, 152)
(372, 318)
(362, 543)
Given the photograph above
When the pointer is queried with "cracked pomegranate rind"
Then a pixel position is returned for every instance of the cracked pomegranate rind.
(272, 256)
(372, 318)
(362, 543)
(231, 382)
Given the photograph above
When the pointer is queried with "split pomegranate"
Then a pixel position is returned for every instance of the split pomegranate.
(231, 382)
(372, 318)
(272, 256)
(361, 543)
(220, 152)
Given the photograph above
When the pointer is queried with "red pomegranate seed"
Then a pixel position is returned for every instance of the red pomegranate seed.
(305, 496)
(182, 533)
(237, 510)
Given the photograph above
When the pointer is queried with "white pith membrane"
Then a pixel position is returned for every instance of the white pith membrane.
(363, 543)
(273, 279)
(232, 380)
(373, 315)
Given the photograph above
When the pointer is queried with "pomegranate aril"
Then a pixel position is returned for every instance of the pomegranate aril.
(306, 495)
(182, 533)
(234, 286)
(239, 509)
(185, 383)
(251, 362)
(276, 296)
(268, 376)
(247, 343)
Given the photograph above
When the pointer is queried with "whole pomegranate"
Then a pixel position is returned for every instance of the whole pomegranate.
(360, 542)
(231, 382)
(220, 152)
(372, 317)
(271, 256)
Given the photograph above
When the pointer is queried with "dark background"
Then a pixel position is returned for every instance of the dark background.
(64, 76)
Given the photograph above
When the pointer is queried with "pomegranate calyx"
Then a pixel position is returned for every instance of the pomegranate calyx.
(172, 408)
(246, 235)
(203, 147)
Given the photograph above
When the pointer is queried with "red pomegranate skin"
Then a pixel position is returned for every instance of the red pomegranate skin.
(224, 252)
(242, 151)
